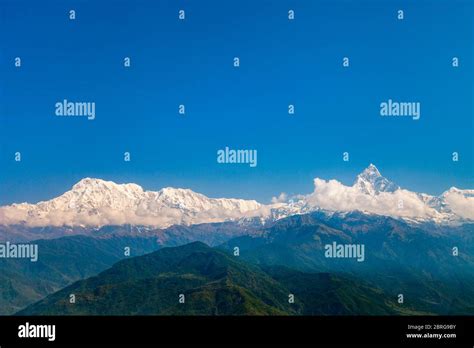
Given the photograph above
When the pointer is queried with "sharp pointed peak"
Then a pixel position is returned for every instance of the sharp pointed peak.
(371, 181)
(371, 169)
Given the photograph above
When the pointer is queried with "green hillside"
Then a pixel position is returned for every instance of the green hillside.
(61, 262)
(213, 283)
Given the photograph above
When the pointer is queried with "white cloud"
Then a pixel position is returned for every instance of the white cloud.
(333, 195)
(98, 203)
(280, 199)
(102, 216)
(460, 204)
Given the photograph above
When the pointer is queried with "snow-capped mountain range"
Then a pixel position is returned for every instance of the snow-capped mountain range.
(95, 202)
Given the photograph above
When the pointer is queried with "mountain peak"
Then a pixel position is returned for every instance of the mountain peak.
(97, 202)
(371, 172)
(370, 181)
(88, 182)
(458, 191)
(176, 191)
(93, 183)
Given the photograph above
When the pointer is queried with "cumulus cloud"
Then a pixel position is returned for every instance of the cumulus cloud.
(280, 199)
(102, 216)
(460, 204)
(333, 195)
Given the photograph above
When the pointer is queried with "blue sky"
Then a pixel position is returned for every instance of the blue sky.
(191, 62)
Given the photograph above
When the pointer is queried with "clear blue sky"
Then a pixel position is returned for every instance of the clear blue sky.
(190, 62)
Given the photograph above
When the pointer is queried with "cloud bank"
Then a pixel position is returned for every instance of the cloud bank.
(94, 202)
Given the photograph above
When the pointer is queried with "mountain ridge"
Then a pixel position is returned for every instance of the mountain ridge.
(211, 282)
(96, 202)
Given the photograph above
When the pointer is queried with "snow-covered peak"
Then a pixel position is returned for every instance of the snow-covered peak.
(188, 199)
(371, 182)
(456, 202)
(374, 194)
(96, 202)
(179, 195)
(89, 194)
(92, 184)
(466, 193)
(370, 171)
